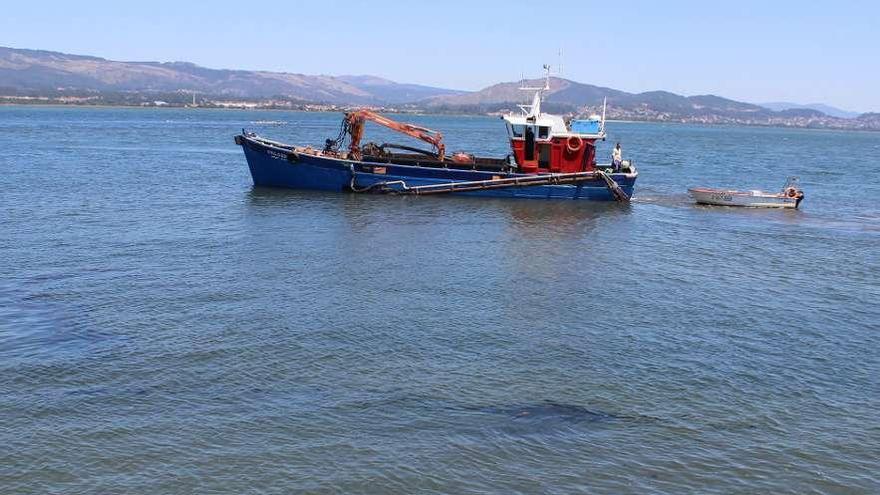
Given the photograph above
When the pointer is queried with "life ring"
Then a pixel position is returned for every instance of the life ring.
(574, 144)
(791, 192)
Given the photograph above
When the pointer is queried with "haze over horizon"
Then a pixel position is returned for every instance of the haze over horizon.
(750, 51)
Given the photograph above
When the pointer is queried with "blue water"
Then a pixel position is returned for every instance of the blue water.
(167, 328)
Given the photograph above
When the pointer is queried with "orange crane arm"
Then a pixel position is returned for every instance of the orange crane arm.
(358, 118)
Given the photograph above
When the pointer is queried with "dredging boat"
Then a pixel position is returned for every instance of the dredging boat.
(550, 159)
(790, 196)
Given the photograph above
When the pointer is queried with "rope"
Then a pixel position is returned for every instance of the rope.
(334, 144)
(381, 186)
(618, 193)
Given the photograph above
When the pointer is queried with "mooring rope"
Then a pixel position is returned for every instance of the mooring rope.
(618, 193)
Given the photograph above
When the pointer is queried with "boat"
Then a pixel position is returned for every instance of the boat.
(789, 197)
(551, 158)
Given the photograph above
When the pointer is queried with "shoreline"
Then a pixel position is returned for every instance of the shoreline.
(426, 113)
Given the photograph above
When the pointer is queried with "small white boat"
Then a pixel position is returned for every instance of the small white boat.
(790, 196)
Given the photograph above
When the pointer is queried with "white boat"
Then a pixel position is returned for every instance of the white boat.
(790, 196)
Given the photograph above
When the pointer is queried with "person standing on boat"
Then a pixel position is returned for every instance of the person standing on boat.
(616, 158)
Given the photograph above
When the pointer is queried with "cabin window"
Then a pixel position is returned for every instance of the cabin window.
(543, 132)
(517, 131)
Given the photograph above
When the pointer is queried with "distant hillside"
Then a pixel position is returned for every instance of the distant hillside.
(563, 93)
(870, 120)
(35, 76)
(44, 70)
(655, 106)
(393, 92)
(574, 96)
(826, 109)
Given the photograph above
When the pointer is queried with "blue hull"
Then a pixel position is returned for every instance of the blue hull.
(275, 166)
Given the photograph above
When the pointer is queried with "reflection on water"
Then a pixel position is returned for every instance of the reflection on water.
(262, 197)
(530, 217)
(559, 218)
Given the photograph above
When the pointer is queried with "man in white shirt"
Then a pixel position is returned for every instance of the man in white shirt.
(616, 158)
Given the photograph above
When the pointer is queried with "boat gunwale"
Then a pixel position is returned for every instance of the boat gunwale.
(288, 148)
(734, 192)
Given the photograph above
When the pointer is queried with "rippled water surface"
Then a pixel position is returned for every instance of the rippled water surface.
(165, 327)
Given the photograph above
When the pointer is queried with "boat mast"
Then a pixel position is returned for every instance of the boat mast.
(534, 109)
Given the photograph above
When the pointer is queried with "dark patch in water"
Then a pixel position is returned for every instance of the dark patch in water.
(547, 418)
(553, 411)
(565, 412)
(88, 391)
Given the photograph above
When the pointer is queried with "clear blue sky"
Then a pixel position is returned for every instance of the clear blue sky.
(748, 50)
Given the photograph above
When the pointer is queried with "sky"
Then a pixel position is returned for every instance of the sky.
(756, 51)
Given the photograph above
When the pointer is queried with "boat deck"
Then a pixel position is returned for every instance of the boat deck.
(417, 160)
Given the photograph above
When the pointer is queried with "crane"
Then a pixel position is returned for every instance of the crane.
(354, 122)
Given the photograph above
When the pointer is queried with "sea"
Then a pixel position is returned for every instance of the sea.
(168, 328)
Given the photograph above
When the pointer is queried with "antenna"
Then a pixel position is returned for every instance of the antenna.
(560, 69)
(604, 105)
(535, 108)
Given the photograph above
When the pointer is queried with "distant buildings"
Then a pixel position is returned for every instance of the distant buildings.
(642, 112)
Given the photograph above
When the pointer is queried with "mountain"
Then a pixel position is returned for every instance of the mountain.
(37, 76)
(870, 120)
(44, 70)
(566, 95)
(562, 91)
(394, 92)
(826, 109)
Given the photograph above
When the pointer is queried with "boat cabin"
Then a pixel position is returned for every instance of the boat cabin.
(545, 143)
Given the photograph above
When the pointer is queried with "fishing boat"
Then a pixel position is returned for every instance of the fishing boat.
(550, 158)
(789, 197)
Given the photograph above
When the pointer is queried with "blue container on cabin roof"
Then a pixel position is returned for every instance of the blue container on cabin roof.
(585, 126)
